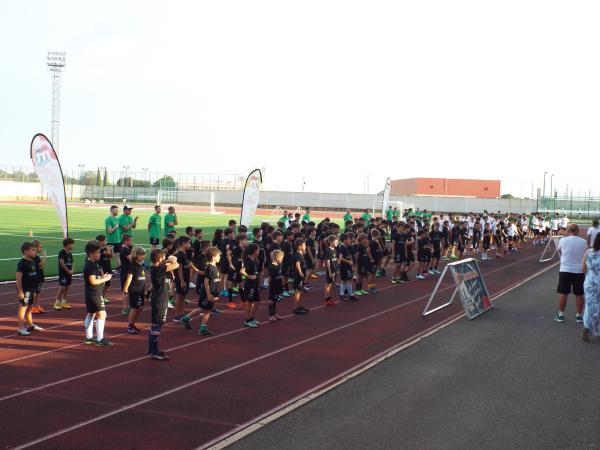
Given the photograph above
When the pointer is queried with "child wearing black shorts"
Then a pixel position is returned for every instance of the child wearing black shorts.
(436, 237)
(27, 282)
(346, 264)
(135, 287)
(65, 274)
(424, 249)
(251, 283)
(94, 281)
(331, 260)
(106, 255)
(363, 263)
(159, 299)
(299, 275)
(275, 284)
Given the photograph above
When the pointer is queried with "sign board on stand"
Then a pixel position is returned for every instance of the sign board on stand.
(469, 283)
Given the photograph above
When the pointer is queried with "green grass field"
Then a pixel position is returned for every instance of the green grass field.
(85, 223)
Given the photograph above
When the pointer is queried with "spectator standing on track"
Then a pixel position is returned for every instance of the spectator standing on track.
(126, 222)
(113, 231)
(570, 278)
(154, 227)
(170, 221)
(591, 287)
(593, 231)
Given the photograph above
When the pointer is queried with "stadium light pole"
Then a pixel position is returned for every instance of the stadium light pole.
(544, 185)
(81, 166)
(551, 191)
(56, 62)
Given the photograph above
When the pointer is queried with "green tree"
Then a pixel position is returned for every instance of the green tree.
(98, 178)
(165, 181)
(105, 179)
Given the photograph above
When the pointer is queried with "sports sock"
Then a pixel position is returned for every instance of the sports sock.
(153, 339)
(203, 327)
(100, 329)
(230, 294)
(89, 327)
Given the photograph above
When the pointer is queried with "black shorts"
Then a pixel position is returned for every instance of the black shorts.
(38, 289)
(206, 304)
(536, 231)
(424, 257)
(122, 280)
(399, 258)
(181, 289)
(94, 304)
(570, 283)
(235, 277)
(27, 300)
(154, 241)
(346, 273)
(252, 294)
(437, 252)
(410, 256)
(365, 267)
(116, 247)
(298, 283)
(310, 264)
(136, 300)
(65, 280)
(330, 279)
(486, 244)
(159, 311)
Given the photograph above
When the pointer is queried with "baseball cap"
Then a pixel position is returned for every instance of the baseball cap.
(127, 207)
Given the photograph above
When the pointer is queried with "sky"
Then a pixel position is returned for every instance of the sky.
(336, 94)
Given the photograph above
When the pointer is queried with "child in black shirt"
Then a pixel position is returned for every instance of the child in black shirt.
(27, 282)
(275, 284)
(135, 287)
(94, 281)
(65, 274)
(251, 283)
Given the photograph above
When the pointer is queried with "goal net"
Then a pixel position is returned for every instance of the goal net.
(204, 199)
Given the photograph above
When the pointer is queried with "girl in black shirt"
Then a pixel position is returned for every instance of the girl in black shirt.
(251, 272)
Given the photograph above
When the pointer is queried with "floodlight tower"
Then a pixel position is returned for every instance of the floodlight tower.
(56, 64)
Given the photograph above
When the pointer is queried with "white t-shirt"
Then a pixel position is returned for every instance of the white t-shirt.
(571, 250)
(592, 232)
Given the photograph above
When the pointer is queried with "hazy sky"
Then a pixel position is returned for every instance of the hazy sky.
(326, 90)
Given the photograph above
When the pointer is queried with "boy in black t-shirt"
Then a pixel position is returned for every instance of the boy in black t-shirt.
(251, 283)
(182, 276)
(65, 274)
(299, 275)
(135, 287)
(275, 284)
(159, 298)
(208, 293)
(330, 261)
(125, 258)
(346, 265)
(106, 255)
(40, 262)
(436, 237)
(399, 253)
(27, 282)
(235, 276)
(424, 249)
(94, 280)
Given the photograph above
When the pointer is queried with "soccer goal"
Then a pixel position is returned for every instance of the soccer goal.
(203, 199)
(378, 206)
(551, 249)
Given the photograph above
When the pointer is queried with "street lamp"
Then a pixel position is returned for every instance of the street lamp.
(544, 185)
(551, 191)
(81, 166)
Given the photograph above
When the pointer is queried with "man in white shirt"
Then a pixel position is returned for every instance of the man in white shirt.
(592, 232)
(570, 278)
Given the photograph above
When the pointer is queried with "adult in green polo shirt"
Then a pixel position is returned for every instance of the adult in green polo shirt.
(306, 216)
(154, 227)
(170, 221)
(389, 213)
(366, 216)
(348, 216)
(113, 232)
(126, 222)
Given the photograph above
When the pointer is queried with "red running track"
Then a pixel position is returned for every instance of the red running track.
(57, 392)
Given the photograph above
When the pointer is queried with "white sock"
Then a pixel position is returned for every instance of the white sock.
(100, 329)
(89, 327)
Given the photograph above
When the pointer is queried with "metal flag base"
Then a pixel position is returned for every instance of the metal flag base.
(553, 240)
(426, 310)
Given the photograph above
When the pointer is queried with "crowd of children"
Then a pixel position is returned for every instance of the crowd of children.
(281, 260)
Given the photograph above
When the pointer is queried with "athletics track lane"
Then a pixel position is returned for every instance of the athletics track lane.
(232, 378)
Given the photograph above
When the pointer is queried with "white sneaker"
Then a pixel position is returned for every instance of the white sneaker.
(34, 327)
(420, 277)
(431, 272)
(192, 285)
(23, 332)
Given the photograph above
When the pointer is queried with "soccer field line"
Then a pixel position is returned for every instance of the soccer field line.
(225, 371)
(237, 330)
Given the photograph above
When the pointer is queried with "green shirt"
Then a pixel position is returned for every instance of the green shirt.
(366, 216)
(389, 214)
(154, 223)
(347, 217)
(115, 236)
(168, 219)
(306, 217)
(396, 213)
(283, 219)
(125, 220)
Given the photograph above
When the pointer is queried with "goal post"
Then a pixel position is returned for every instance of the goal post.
(378, 205)
(204, 199)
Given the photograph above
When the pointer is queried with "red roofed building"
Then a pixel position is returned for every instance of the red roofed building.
(450, 187)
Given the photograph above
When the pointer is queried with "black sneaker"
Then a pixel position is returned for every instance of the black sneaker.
(216, 312)
(104, 343)
(132, 330)
(353, 298)
(304, 309)
(89, 341)
(299, 311)
(177, 318)
(186, 324)
(160, 356)
(205, 332)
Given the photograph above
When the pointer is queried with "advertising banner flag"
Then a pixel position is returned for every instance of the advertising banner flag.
(47, 167)
(386, 197)
(473, 291)
(250, 197)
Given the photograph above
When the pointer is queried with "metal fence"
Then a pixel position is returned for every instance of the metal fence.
(586, 207)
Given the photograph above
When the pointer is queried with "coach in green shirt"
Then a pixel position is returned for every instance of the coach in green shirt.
(389, 214)
(306, 216)
(170, 221)
(347, 216)
(366, 216)
(126, 222)
(154, 227)
(113, 232)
